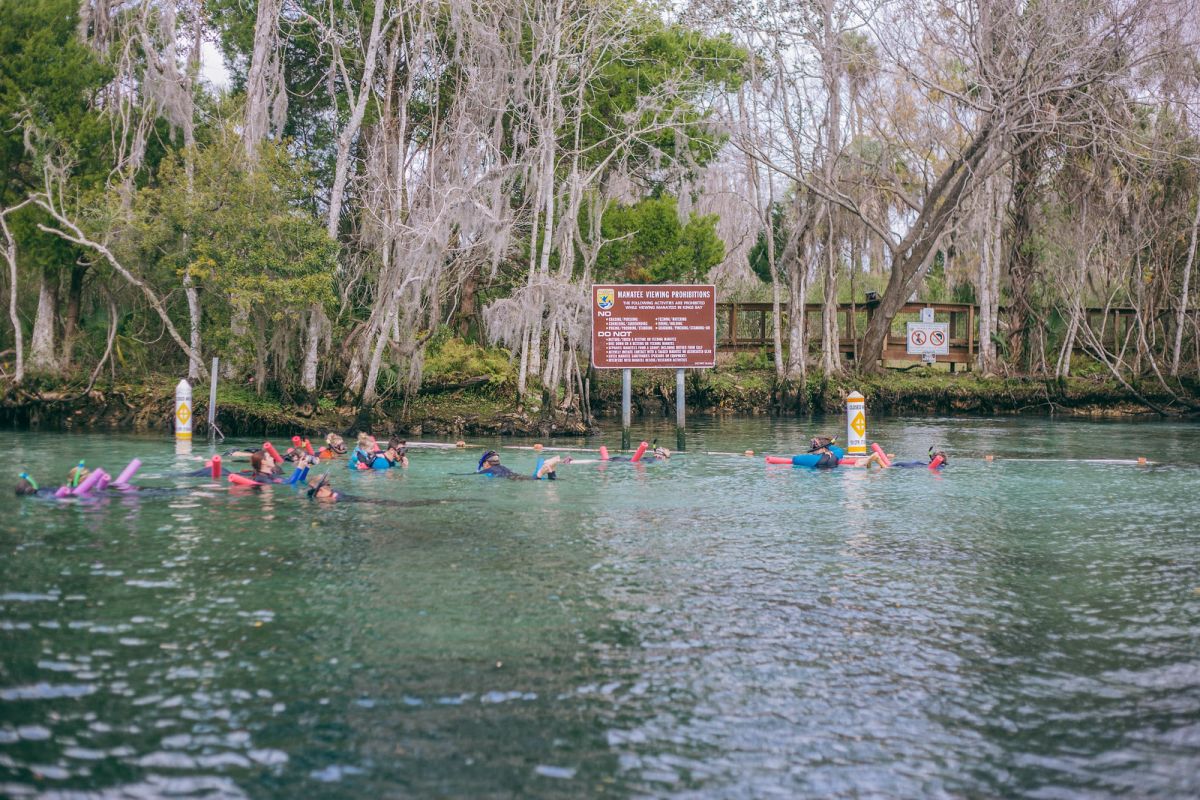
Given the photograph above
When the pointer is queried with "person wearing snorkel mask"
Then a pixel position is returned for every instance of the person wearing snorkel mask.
(937, 460)
(323, 492)
(659, 453)
(489, 465)
(27, 487)
(334, 446)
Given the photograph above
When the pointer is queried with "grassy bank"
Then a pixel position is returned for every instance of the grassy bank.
(492, 410)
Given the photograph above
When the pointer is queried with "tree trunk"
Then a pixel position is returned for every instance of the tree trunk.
(1181, 313)
(910, 258)
(830, 346)
(10, 255)
(42, 355)
(74, 308)
(264, 80)
(1021, 254)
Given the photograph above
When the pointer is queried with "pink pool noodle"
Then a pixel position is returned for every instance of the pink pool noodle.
(88, 482)
(102, 484)
(216, 467)
(241, 480)
(779, 459)
(883, 459)
(63, 491)
(603, 453)
(130, 469)
(937, 461)
(270, 448)
(640, 451)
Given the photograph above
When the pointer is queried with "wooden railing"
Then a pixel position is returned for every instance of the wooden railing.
(748, 326)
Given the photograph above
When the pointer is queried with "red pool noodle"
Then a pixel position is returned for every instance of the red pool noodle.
(270, 448)
(883, 459)
(308, 448)
(295, 441)
(242, 480)
(779, 460)
(216, 467)
(641, 449)
(603, 453)
(937, 462)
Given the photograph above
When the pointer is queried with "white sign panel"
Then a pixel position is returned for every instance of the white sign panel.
(929, 337)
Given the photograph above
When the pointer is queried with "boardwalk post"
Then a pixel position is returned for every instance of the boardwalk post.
(626, 402)
(680, 413)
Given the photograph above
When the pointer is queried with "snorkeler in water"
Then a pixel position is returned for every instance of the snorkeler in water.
(937, 460)
(489, 465)
(657, 454)
(322, 491)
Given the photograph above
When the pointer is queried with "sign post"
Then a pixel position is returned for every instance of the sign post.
(680, 412)
(671, 326)
(626, 410)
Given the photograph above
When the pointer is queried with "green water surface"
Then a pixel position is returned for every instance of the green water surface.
(709, 627)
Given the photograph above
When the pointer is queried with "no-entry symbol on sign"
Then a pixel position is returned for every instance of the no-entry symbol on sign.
(928, 338)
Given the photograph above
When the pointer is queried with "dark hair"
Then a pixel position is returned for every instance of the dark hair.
(25, 487)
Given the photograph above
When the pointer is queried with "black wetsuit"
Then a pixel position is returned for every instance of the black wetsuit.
(501, 471)
(828, 461)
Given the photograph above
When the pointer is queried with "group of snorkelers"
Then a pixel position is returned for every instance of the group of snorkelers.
(829, 456)
(266, 465)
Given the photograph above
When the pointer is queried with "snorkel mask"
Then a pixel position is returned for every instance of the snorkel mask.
(820, 443)
(484, 459)
(312, 490)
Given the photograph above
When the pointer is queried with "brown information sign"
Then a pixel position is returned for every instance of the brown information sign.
(654, 326)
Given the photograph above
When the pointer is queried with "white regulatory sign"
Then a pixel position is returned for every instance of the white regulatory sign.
(929, 337)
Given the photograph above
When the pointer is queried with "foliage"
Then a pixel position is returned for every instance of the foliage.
(450, 359)
(646, 244)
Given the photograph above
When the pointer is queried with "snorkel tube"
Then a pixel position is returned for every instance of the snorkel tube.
(312, 490)
(483, 459)
(78, 472)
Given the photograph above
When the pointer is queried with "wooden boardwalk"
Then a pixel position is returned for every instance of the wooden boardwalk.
(743, 327)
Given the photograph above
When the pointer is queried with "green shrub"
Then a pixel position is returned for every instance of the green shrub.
(450, 359)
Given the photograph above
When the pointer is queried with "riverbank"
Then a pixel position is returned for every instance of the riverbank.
(149, 406)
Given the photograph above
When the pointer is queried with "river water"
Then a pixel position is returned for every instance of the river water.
(710, 627)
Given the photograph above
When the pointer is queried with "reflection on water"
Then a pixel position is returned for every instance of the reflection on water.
(710, 626)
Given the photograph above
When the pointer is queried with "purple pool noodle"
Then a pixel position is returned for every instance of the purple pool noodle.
(88, 482)
(102, 484)
(63, 491)
(127, 473)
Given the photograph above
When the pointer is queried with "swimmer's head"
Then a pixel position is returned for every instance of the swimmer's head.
(335, 443)
(820, 443)
(662, 452)
(320, 488)
(77, 474)
(261, 461)
(26, 485)
(935, 453)
(488, 459)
